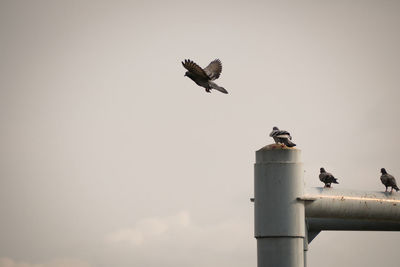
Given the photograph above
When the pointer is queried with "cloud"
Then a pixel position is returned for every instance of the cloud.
(174, 239)
(7, 262)
(149, 228)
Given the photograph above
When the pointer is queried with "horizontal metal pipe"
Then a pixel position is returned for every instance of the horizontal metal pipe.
(337, 209)
(321, 224)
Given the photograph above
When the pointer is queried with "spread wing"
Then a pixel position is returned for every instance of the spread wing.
(194, 68)
(214, 69)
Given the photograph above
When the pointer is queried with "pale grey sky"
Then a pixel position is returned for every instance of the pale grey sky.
(110, 157)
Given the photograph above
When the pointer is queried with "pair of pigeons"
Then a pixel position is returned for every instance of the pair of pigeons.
(284, 138)
(386, 179)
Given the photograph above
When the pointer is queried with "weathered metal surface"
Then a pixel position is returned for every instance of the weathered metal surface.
(280, 252)
(334, 224)
(338, 209)
(278, 182)
(349, 204)
(279, 216)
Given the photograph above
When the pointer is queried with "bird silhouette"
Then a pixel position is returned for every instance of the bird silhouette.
(327, 178)
(388, 180)
(205, 77)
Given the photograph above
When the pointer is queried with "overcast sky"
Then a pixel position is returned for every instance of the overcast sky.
(109, 156)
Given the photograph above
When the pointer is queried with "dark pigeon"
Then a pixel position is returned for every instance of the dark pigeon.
(205, 77)
(388, 180)
(282, 137)
(327, 178)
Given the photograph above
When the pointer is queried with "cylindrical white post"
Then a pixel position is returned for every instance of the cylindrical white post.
(279, 215)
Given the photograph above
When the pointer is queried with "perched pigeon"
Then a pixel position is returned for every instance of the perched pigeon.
(327, 178)
(282, 137)
(388, 180)
(204, 77)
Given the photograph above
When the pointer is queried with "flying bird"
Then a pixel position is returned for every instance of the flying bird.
(388, 180)
(327, 178)
(205, 77)
(282, 137)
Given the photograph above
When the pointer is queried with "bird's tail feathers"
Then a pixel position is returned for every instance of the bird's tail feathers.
(218, 88)
(289, 143)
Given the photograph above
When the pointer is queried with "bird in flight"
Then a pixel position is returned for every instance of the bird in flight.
(388, 180)
(282, 137)
(327, 178)
(205, 77)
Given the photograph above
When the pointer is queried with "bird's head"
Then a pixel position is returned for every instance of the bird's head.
(275, 128)
(383, 171)
(321, 170)
(190, 75)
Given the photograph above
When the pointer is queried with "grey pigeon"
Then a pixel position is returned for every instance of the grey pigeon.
(205, 77)
(388, 180)
(327, 178)
(282, 137)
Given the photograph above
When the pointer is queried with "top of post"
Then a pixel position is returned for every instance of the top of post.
(278, 153)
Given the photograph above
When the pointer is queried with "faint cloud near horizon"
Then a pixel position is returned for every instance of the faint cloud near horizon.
(225, 236)
(8, 262)
(149, 228)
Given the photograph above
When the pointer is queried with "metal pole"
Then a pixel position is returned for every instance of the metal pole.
(279, 215)
(305, 245)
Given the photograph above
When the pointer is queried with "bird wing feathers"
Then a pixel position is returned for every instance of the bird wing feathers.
(194, 68)
(384, 179)
(391, 181)
(281, 134)
(322, 177)
(387, 179)
(214, 69)
(327, 177)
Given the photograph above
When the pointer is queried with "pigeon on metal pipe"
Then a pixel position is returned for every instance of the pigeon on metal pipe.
(388, 181)
(327, 178)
